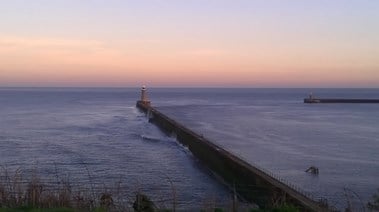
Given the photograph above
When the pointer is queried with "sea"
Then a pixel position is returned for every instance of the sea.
(98, 140)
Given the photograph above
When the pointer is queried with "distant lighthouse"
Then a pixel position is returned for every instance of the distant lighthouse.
(144, 99)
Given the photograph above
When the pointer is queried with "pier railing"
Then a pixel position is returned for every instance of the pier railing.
(283, 181)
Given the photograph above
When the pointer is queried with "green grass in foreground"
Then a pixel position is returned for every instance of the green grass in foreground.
(28, 209)
(19, 194)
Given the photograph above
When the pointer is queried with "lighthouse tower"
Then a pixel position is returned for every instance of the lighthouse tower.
(144, 99)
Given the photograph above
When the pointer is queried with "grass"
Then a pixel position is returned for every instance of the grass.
(32, 194)
(374, 204)
(30, 209)
(19, 194)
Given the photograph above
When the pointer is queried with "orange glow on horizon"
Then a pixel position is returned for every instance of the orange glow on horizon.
(83, 62)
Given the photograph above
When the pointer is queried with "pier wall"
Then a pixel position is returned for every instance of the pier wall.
(248, 181)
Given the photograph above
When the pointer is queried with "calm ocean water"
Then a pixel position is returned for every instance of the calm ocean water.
(97, 136)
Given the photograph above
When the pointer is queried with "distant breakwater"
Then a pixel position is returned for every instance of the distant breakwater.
(312, 100)
(250, 182)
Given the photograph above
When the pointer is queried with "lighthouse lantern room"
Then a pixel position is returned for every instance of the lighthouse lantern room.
(144, 98)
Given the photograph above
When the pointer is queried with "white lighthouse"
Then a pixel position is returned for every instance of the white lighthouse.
(144, 99)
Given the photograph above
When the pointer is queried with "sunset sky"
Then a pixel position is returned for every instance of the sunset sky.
(190, 43)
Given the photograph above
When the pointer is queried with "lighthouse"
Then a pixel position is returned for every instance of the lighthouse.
(144, 99)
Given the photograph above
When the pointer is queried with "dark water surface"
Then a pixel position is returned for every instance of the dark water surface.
(99, 131)
(273, 129)
(98, 138)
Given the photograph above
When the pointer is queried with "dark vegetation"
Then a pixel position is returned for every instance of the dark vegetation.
(35, 195)
(374, 204)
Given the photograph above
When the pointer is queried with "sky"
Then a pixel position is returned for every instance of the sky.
(189, 43)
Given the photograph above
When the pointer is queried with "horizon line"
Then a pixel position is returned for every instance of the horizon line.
(184, 87)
